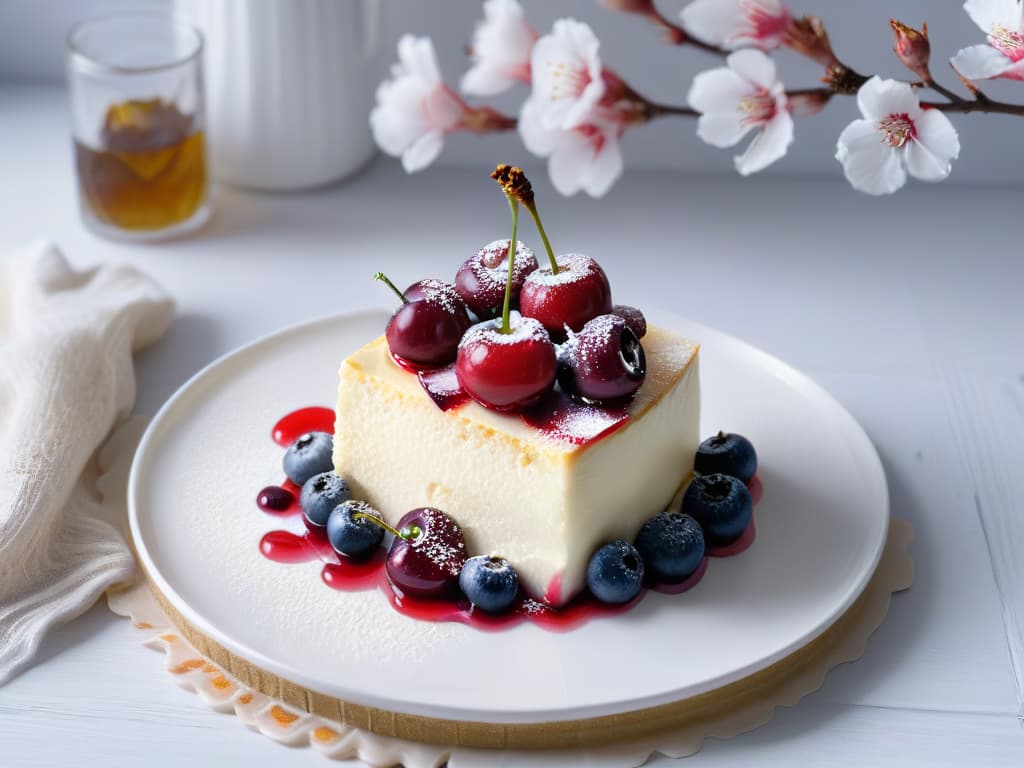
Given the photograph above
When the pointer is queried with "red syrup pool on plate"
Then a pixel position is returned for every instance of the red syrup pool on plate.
(348, 575)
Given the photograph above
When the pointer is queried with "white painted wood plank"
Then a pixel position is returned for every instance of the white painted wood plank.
(942, 646)
(988, 419)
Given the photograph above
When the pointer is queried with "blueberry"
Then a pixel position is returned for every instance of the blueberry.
(320, 494)
(490, 583)
(309, 455)
(615, 572)
(671, 545)
(721, 504)
(354, 537)
(728, 453)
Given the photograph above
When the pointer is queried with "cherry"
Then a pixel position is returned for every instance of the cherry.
(576, 293)
(634, 319)
(481, 279)
(426, 331)
(604, 362)
(506, 371)
(427, 555)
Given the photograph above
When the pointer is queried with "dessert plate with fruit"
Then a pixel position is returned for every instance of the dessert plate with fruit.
(527, 506)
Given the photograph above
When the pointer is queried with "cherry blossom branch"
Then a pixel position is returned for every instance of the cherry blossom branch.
(673, 33)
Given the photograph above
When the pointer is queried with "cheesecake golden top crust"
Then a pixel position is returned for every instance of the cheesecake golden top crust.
(669, 356)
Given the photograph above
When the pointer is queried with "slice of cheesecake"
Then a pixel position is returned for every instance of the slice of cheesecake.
(540, 500)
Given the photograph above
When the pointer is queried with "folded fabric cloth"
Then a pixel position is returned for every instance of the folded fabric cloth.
(66, 380)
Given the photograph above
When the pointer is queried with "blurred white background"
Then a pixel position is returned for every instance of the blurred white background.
(32, 41)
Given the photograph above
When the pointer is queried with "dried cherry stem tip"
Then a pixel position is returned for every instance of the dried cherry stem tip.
(384, 279)
(515, 184)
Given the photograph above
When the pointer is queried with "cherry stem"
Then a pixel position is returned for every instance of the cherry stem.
(513, 246)
(408, 534)
(384, 279)
(532, 208)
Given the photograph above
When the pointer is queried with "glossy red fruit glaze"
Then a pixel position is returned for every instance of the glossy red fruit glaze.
(634, 319)
(578, 293)
(297, 423)
(481, 279)
(506, 371)
(426, 332)
(277, 498)
(427, 565)
(604, 362)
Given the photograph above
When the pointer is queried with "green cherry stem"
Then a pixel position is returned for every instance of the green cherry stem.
(409, 533)
(506, 312)
(384, 279)
(532, 208)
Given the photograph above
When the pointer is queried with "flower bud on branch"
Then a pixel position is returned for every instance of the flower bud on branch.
(912, 48)
(807, 36)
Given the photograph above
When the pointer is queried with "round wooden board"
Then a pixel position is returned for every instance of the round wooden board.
(723, 712)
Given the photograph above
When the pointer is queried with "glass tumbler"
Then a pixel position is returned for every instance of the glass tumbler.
(136, 97)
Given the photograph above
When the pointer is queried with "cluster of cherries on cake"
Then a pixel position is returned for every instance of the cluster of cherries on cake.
(513, 329)
(427, 557)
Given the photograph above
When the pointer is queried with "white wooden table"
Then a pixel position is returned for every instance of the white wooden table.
(908, 309)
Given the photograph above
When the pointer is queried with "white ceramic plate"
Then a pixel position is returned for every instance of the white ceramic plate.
(821, 527)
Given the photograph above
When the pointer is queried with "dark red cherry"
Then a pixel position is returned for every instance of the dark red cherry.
(634, 319)
(506, 371)
(576, 294)
(481, 279)
(426, 331)
(602, 363)
(426, 559)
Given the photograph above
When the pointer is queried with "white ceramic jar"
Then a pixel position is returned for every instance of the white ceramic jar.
(290, 86)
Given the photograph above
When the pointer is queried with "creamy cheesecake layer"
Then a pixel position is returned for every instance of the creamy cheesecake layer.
(542, 503)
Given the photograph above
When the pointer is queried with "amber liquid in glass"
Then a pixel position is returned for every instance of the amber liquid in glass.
(149, 173)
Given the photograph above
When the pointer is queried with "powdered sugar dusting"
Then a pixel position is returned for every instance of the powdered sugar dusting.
(445, 546)
(559, 417)
(360, 507)
(572, 267)
(523, 329)
(600, 332)
(491, 265)
(442, 294)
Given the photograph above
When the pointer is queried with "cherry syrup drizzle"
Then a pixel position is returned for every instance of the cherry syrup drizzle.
(557, 415)
(349, 575)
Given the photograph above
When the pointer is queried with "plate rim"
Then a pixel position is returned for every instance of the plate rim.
(773, 364)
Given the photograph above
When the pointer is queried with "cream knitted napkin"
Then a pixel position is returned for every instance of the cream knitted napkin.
(66, 380)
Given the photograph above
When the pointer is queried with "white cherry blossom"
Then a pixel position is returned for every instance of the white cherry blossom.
(739, 98)
(1003, 56)
(586, 157)
(896, 136)
(567, 75)
(415, 109)
(737, 23)
(501, 48)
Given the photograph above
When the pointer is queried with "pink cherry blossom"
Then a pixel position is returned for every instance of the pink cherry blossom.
(501, 48)
(742, 97)
(1003, 56)
(586, 157)
(897, 136)
(737, 23)
(415, 109)
(567, 75)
